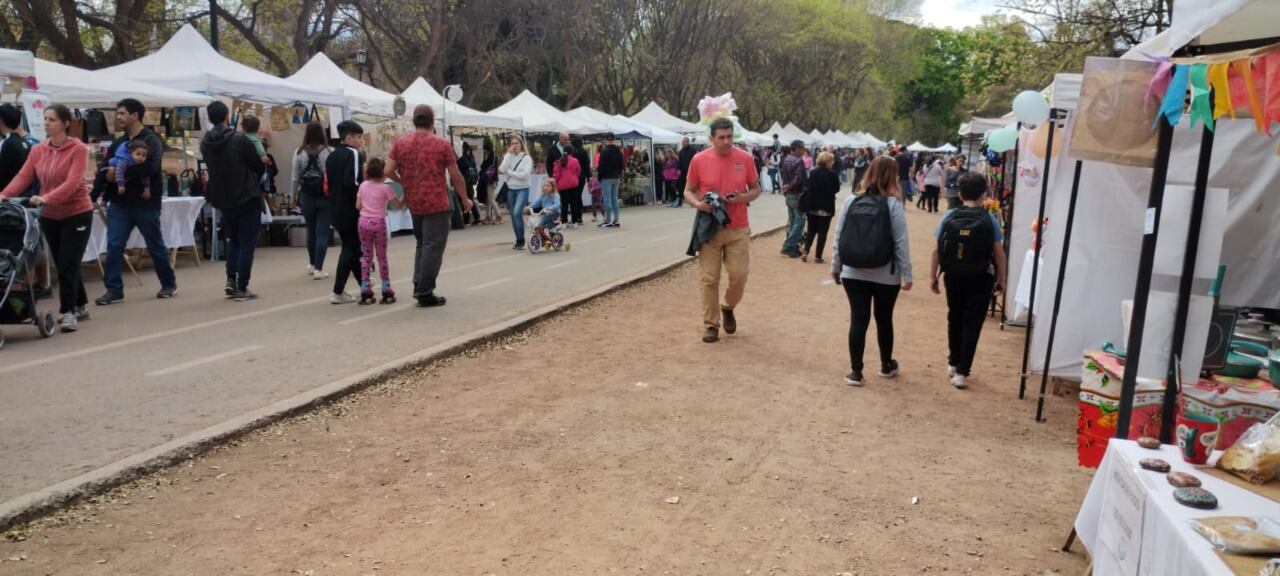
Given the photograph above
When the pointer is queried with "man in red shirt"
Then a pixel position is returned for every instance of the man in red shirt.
(419, 161)
(729, 172)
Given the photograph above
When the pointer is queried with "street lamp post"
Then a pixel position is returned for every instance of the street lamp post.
(362, 61)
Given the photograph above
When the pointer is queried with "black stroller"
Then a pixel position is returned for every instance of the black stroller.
(20, 247)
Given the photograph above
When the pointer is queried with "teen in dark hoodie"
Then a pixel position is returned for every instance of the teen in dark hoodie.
(345, 169)
(235, 169)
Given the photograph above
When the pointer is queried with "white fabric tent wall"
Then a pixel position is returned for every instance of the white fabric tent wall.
(1211, 21)
(540, 117)
(421, 92)
(16, 63)
(80, 88)
(188, 62)
(361, 98)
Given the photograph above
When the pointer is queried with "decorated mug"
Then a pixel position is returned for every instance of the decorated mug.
(1197, 436)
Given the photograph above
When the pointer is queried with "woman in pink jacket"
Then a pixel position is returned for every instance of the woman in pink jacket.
(58, 165)
(567, 173)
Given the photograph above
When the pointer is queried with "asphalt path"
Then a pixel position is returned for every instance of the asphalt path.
(145, 371)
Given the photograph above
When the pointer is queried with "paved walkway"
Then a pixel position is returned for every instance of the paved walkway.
(144, 372)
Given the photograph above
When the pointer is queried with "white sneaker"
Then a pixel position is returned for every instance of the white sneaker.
(342, 298)
(958, 380)
(951, 371)
(68, 323)
(319, 274)
(310, 268)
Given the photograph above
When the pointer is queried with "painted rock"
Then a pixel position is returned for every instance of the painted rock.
(1154, 464)
(1149, 443)
(1196, 498)
(1183, 480)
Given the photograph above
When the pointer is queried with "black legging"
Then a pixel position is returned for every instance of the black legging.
(571, 209)
(931, 194)
(818, 226)
(67, 240)
(861, 295)
(348, 260)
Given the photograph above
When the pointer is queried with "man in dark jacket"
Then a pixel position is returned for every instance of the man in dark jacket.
(574, 200)
(794, 178)
(345, 168)
(137, 206)
(610, 173)
(234, 170)
(556, 151)
(13, 148)
(686, 156)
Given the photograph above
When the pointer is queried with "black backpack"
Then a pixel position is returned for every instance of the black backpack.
(965, 242)
(866, 238)
(312, 176)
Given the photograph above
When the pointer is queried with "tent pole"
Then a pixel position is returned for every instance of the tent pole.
(1010, 180)
(1037, 243)
(1142, 289)
(653, 172)
(1185, 283)
(1057, 293)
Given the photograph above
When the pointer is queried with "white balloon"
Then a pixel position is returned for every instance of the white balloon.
(1031, 107)
(1002, 139)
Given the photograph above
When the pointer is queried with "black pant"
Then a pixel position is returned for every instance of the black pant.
(862, 295)
(857, 177)
(953, 202)
(931, 194)
(67, 239)
(348, 259)
(679, 192)
(967, 300)
(432, 235)
(241, 225)
(571, 211)
(818, 226)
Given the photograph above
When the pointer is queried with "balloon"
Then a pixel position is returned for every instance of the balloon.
(1040, 141)
(1030, 107)
(1002, 139)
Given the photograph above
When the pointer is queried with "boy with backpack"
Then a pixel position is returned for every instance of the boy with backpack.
(970, 247)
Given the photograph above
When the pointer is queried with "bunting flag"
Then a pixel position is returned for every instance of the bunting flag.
(1171, 105)
(1270, 94)
(1222, 104)
(1245, 67)
(1201, 108)
(1159, 84)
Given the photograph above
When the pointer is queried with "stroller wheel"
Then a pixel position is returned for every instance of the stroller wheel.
(45, 324)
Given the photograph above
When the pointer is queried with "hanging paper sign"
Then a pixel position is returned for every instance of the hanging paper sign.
(279, 118)
(1120, 530)
(33, 104)
(1112, 123)
(151, 117)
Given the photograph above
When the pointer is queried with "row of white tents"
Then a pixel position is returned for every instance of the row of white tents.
(187, 71)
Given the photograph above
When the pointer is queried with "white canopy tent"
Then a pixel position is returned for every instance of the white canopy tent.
(947, 148)
(659, 135)
(421, 92)
(795, 133)
(362, 98)
(654, 115)
(540, 117)
(16, 63)
(626, 128)
(80, 88)
(918, 147)
(754, 138)
(188, 62)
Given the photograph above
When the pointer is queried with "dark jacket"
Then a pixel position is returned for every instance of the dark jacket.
(136, 176)
(345, 168)
(234, 168)
(822, 187)
(794, 174)
(706, 226)
(610, 162)
(686, 158)
(13, 154)
(585, 162)
(553, 156)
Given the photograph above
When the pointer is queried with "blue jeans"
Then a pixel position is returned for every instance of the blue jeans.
(318, 212)
(121, 220)
(547, 219)
(795, 224)
(773, 179)
(517, 199)
(609, 188)
(241, 226)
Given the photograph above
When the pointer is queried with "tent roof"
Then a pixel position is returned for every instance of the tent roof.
(795, 133)
(16, 63)
(1208, 22)
(755, 138)
(421, 92)
(621, 126)
(187, 62)
(948, 148)
(361, 97)
(660, 135)
(654, 115)
(80, 88)
(979, 126)
(538, 116)
(918, 147)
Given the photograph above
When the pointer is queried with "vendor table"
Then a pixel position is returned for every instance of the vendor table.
(1132, 525)
(399, 219)
(178, 217)
(1236, 402)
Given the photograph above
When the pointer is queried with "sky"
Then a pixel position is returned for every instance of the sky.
(955, 13)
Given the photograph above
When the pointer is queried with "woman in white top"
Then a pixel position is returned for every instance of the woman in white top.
(514, 171)
(877, 286)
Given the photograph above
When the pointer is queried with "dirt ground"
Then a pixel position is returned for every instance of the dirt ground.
(564, 450)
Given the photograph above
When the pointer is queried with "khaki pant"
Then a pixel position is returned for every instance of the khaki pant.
(732, 248)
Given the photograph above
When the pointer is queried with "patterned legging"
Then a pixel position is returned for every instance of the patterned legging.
(373, 239)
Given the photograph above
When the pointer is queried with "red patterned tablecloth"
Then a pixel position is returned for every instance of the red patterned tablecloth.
(1237, 402)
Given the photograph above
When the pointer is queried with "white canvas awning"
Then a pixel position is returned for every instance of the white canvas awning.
(188, 62)
(626, 128)
(795, 133)
(80, 88)
(654, 115)
(16, 63)
(980, 126)
(362, 98)
(948, 148)
(421, 92)
(540, 117)
(1211, 22)
(918, 147)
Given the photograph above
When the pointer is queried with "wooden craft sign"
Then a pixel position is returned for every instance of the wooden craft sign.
(1122, 513)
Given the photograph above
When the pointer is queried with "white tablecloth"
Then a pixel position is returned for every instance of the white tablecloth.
(398, 220)
(1170, 547)
(177, 224)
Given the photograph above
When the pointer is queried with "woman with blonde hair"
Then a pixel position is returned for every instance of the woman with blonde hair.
(872, 260)
(514, 172)
(819, 204)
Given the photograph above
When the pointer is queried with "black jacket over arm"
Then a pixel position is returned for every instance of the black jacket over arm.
(345, 174)
(820, 194)
(234, 167)
(610, 163)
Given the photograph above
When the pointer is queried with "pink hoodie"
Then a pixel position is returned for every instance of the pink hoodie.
(60, 171)
(567, 177)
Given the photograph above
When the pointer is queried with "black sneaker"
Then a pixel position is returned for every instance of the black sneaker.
(889, 369)
(518, 246)
(82, 313)
(109, 298)
(244, 295)
(711, 335)
(431, 301)
(729, 322)
(167, 292)
(231, 289)
(854, 378)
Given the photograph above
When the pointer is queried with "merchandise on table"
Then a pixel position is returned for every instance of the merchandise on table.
(1182, 480)
(1241, 534)
(1196, 498)
(1256, 457)
(1154, 465)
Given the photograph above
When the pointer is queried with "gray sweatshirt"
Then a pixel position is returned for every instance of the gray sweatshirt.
(300, 161)
(902, 250)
